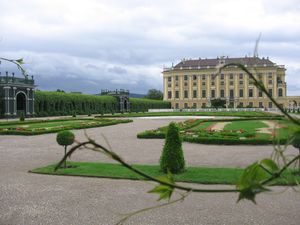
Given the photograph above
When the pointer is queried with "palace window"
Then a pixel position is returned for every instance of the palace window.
(212, 83)
(194, 83)
(260, 94)
(185, 105)
(270, 93)
(213, 93)
(169, 94)
(270, 75)
(270, 82)
(194, 77)
(241, 93)
(251, 104)
(222, 76)
(203, 94)
(203, 83)
(251, 93)
(185, 77)
(279, 92)
(241, 82)
(194, 93)
(176, 78)
(169, 84)
(185, 84)
(241, 76)
(231, 83)
(222, 93)
(169, 79)
(222, 82)
(186, 94)
(176, 94)
(231, 76)
(260, 105)
(270, 105)
(203, 77)
(231, 93)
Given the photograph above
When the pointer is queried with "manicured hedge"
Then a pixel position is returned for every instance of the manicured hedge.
(49, 103)
(142, 104)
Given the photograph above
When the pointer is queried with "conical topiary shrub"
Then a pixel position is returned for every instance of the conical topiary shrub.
(172, 158)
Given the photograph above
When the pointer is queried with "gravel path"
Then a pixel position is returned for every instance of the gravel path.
(27, 199)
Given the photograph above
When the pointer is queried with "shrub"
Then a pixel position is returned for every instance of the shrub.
(172, 158)
(296, 144)
(65, 138)
(22, 117)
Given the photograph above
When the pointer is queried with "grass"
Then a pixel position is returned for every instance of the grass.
(34, 127)
(224, 113)
(202, 175)
(249, 126)
(202, 126)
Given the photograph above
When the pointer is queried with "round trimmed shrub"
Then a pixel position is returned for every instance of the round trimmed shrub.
(172, 158)
(65, 138)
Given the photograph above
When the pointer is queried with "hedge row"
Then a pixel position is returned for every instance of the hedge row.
(212, 140)
(60, 104)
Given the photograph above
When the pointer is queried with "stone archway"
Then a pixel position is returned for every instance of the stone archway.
(21, 103)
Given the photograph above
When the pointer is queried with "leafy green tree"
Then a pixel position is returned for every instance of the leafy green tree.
(65, 138)
(172, 158)
(218, 103)
(154, 94)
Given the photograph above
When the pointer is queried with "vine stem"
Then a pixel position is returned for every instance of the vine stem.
(17, 62)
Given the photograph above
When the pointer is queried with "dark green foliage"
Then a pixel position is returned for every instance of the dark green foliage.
(60, 103)
(74, 114)
(296, 140)
(65, 138)
(22, 117)
(218, 103)
(172, 158)
(154, 94)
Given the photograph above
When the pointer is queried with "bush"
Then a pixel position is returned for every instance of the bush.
(172, 158)
(22, 117)
(65, 138)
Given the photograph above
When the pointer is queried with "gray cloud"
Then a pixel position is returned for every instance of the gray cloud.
(114, 44)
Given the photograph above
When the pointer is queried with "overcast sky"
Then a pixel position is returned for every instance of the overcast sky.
(97, 44)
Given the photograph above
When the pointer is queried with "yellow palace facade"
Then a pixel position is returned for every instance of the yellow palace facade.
(193, 83)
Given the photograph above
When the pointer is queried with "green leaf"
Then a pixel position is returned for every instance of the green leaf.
(249, 182)
(164, 191)
(20, 61)
(270, 165)
(250, 192)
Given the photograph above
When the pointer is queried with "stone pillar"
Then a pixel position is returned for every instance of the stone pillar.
(14, 101)
(6, 99)
(27, 102)
(32, 100)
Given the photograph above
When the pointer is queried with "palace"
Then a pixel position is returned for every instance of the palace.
(193, 83)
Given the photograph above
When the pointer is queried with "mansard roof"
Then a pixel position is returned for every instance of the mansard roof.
(249, 61)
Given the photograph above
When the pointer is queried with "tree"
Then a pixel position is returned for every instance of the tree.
(172, 158)
(218, 103)
(65, 138)
(154, 94)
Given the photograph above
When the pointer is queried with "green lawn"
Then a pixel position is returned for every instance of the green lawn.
(203, 175)
(33, 127)
(249, 126)
(202, 126)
